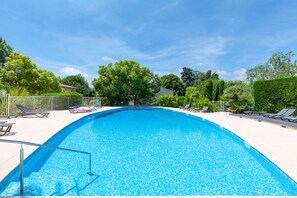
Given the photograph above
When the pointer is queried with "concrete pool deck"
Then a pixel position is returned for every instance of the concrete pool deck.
(275, 142)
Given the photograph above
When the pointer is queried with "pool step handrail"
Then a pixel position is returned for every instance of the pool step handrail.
(42, 145)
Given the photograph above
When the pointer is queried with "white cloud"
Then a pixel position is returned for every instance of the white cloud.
(62, 69)
(72, 71)
(108, 59)
(239, 74)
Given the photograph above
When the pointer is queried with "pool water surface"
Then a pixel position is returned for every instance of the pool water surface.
(149, 151)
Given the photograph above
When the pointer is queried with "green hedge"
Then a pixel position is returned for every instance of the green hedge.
(171, 101)
(274, 95)
(178, 101)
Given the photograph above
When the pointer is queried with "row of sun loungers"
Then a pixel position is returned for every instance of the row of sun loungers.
(194, 109)
(284, 114)
(5, 127)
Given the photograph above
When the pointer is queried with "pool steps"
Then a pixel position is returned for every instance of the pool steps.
(21, 143)
(38, 184)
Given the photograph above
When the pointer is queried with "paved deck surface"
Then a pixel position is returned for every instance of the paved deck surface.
(279, 144)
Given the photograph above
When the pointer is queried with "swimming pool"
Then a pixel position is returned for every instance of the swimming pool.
(149, 151)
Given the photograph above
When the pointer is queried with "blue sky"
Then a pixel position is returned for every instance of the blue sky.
(76, 36)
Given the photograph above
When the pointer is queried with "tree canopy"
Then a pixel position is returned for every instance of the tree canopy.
(124, 81)
(79, 82)
(173, 83)
(278, 66)
(187, 76)
(5, 51)
(20, 72)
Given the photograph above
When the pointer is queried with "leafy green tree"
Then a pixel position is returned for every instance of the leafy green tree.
(173, 83)
(20, 72)
(199, 77)
(123, 82)
(278, 66)
(187, 76)
(5, 51)
(192, 92)
(45, 83)
(79, 82)
(211, 89)
(205, 88)
(210, 74)
(156, 83)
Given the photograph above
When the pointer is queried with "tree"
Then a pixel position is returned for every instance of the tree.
(187, 76)
(205, 88)
(79, 82)
(192, 92)
(156, 83)
(46, 82)
(278, 66)
(123, 82)
(173, 83)
(20, 72)
(199, 77)
(238, 97)
(211, 89)
(5, 51)
(210, 74)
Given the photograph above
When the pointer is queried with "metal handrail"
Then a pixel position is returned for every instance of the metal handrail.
(42, 145)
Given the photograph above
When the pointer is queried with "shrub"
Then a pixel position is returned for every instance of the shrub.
(177, 101)
(171, 101)
(201, 102)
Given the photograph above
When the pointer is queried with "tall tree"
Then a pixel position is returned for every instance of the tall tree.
(123, 82)
(173, 83)
(79, 82)
(156, 83)
(5, 51)
(187, 76)
(199, 77)
(278, 66)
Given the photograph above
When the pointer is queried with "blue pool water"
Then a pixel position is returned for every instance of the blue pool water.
(149, 152)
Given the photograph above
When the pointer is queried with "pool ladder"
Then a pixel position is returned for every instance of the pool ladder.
(42, 145)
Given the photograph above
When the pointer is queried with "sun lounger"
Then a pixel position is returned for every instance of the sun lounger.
(82, 109)
(187, 107)
(194, 109)
(289, 118)
(271, 115)
(25, 112)
(204, 109)
(5, 128)
(287, 113)
(254, 112)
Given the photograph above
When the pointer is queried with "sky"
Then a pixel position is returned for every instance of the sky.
(228, 37)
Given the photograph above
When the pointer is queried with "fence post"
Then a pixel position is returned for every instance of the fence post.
(33, 103)
(52, 101)
(8, 105)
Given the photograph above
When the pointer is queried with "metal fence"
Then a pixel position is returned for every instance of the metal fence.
(43, 103)
(221, 106)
